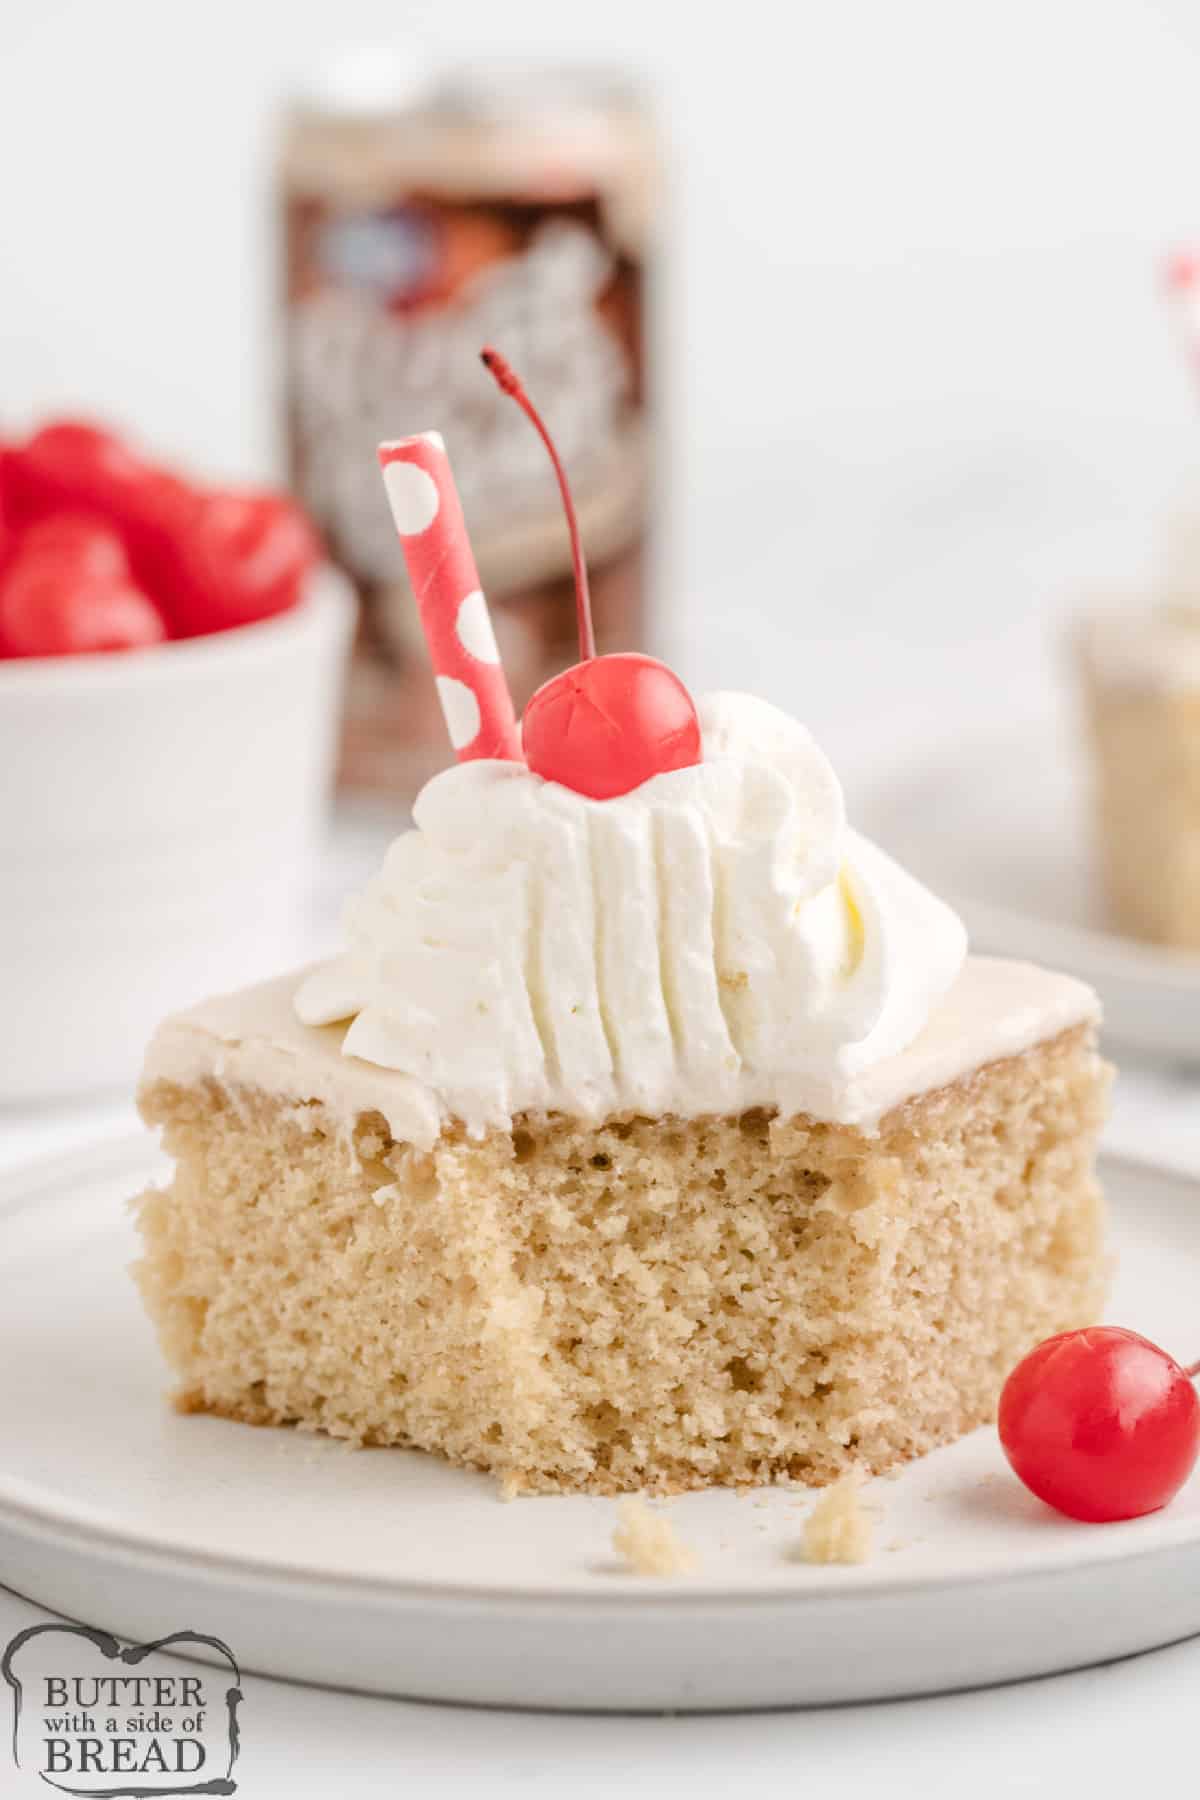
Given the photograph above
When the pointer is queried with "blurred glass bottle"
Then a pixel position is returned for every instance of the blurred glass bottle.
(426, 213)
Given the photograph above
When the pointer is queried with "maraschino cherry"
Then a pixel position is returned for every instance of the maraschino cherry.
(1101, 1424)
(67, 590)
(610, 723)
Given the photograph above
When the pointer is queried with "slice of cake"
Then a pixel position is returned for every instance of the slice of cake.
(1141, 682)
(645, 1142)
(654, 1129)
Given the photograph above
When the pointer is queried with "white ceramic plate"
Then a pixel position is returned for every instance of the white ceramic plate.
(999, 826)
(385, 1570)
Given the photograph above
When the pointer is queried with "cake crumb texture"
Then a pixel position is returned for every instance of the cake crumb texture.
(645, 1304)
(838, 1530)
(648, 1541)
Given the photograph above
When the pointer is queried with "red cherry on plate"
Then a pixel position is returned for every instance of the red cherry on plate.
(49, 608)
(1100, 1424)
(607, 725)
(610, 723)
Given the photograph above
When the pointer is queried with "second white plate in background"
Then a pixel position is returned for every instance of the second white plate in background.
(999, 826)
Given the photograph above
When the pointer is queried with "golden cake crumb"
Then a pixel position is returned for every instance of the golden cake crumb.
(640, 1305)
(648, 1541)
(837, 1529)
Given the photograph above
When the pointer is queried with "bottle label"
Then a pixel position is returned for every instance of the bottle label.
(388, 308)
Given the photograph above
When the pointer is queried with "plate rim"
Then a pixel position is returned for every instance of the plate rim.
(139, 1154)
(1123, 958)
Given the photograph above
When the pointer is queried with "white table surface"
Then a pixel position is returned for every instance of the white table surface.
(1096, 1733)
(1096, 1727)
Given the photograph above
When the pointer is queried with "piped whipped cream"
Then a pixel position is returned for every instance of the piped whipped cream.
(716, 939)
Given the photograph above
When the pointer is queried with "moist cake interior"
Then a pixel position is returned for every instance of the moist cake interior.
(646, 1303)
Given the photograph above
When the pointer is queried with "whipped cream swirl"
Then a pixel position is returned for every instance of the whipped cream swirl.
(716, 939)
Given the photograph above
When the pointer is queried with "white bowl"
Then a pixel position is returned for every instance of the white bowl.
(159, 814)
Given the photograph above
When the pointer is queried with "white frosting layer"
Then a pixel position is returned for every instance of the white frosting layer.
(253, 1039)
(714, 940)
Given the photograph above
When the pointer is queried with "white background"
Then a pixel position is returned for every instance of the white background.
(1123, 1730)
(920, 380)
(921, 391)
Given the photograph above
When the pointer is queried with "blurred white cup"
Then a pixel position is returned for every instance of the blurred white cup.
(160, 812)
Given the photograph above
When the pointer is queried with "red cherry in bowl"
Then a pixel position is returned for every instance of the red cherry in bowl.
(75, 541)
(607, 725)
(50, 608)
(70, 465)
(68, 591)
(610, 723)
(1100, 1424)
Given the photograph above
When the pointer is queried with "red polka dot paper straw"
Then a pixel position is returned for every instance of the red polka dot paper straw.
(476, 703)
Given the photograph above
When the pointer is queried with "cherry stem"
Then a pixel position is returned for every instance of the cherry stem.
(1192, 1370)
(510, 384)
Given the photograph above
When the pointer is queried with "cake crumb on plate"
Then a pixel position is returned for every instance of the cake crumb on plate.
(837, 1529)
(648, 1541)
